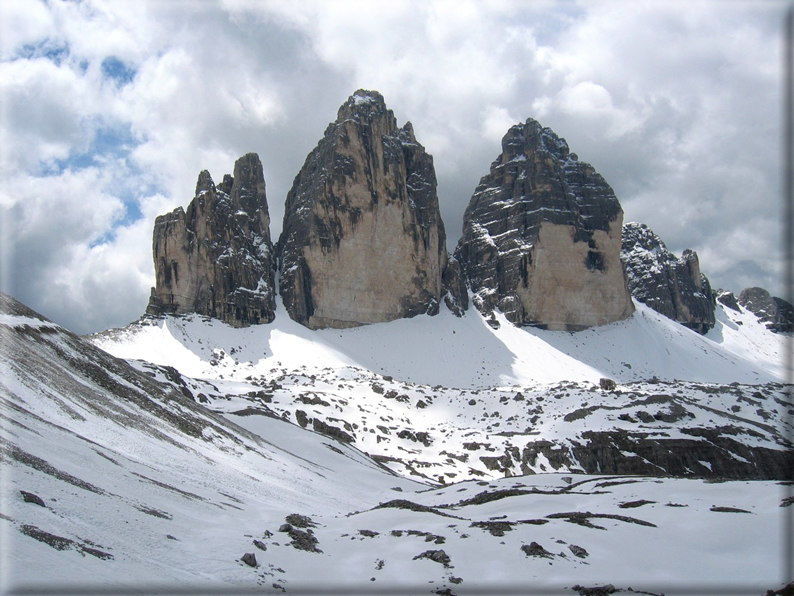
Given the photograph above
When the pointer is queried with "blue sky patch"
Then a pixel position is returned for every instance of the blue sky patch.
(53, 50)
(109, 142)
(110, 151)
(115, 70)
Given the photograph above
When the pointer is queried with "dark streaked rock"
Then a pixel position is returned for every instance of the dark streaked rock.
(215, 259)
(670, 285)
(363, 241)
(541, 237)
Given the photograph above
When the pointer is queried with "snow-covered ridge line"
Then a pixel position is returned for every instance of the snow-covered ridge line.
(20, 320)
(465, 352)
(443, 399)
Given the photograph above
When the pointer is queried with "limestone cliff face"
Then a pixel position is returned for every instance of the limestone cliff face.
(363, 241)
(542, 236)
(672, 286)
(215, 259)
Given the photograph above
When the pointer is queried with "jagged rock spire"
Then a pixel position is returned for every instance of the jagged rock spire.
(215, 259)
(363, 241)
(672, 286)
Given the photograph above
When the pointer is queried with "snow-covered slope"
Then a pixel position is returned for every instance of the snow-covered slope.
(113, 478)
(463, 352)
(445, 398)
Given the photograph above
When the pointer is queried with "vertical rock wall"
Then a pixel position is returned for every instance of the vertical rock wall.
(363, 241)
(215, 259)
(542, 236)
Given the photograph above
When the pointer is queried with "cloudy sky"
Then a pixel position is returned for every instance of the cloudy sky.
(110, 109)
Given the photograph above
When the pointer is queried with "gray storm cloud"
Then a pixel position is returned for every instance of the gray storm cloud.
(676, 105)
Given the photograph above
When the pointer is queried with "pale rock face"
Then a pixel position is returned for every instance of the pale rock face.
(363, 241)
(542, 235)
(215, 259)
(671, 286)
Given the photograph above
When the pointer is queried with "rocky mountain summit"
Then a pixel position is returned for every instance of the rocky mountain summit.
(672, 286)
(363, 241)
(216, 258)
(541, 237)
(777, 313)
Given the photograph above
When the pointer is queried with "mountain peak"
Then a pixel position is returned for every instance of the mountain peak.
(364, 105)
(541, 237)
(363, 241)
(671, 286)
(216, 258)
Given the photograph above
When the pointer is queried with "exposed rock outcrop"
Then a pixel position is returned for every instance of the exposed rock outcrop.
(215, 259)
(541, 237)
(363, 241)
(775, 312)
(672, 286)
(728, 299)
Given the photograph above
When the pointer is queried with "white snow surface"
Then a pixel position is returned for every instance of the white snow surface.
(136, 500)
(465, 352)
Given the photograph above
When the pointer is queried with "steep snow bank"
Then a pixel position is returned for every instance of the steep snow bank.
(463, 352)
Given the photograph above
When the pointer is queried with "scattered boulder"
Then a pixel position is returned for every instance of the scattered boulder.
(249, 559)
(541, 237)
(300, 521)
(578, 551)
(671, 286)
(301, 539)
(439, 556)
(607, 384)
(216, 258)
(260, 545)
(32, 498)
(536, 550)
(363, 241)
(332, 431)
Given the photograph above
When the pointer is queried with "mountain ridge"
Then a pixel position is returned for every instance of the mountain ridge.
(363, 240)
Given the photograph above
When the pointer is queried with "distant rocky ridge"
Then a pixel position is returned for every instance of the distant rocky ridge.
(672, 286)
(778, 314)
(775, 312)
(542, 237)
(363, 241)
(216, 258)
